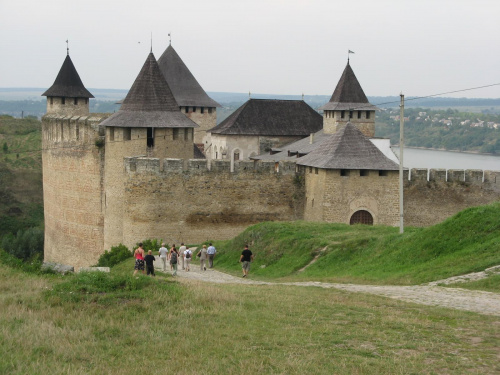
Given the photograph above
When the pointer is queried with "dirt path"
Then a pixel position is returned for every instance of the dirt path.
(486, 303)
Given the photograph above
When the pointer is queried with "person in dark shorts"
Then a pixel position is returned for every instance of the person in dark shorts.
(174, 258)
(139, 259)
(245, 259)
(149, 259)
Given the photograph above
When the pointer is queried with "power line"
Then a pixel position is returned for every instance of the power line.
(356, 108)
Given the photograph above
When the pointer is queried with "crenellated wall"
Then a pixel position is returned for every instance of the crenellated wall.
(431, 196)
(192, 200)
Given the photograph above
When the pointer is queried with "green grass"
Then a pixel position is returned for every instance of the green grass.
(118, 324)
(466, 242)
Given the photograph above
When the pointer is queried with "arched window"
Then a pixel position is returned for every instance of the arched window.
(361, 217)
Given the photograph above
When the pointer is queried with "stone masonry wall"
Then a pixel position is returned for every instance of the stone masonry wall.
(72, 189)
(191, 203)
(431, 196)
(206, 120)
(334, 198)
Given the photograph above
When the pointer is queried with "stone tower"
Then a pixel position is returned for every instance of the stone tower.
(349, 104)
(193, 101)
(149, 123)
(72, 162)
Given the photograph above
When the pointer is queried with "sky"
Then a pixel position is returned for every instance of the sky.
(286, 47)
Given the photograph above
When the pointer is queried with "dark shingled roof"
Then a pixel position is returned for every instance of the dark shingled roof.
(197, 153)
(348, 148)
(348, 94)
(271, 117)
(150, 103)
(68, 83)
(186, 89)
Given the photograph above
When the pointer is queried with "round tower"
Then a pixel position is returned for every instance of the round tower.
(349, 104)
(72, 162)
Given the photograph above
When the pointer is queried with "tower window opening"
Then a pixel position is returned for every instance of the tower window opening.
(315, 170)
(186, 134)
(350, 114)
(367, 114)
(383, 173)
(75, 101)
(359, 114)
(150, 137)
(342, 114)
(344, 172)
(111, 134)
(363, 172)
(310, 169)
(202, 109)
(63, 100)
(86, 100)
(127, 134)
(194, 109)
(186, 109)
(77, 132)
(51, 100)
(175, 133)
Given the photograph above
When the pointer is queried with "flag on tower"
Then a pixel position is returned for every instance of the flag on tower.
(350, 51)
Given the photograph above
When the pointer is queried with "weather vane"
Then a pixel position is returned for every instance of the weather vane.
(170, 38)
(67, 46)
(151, 42)
(348, 53)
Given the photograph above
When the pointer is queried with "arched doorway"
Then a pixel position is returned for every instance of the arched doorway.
(361, 217)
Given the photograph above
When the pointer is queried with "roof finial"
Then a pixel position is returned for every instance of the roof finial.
(348, 53)
(151, 42)
(67, 47)
(302, 96)
(170, 38)
(249, 95)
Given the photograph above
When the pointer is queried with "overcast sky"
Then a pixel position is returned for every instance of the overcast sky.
(419, 47)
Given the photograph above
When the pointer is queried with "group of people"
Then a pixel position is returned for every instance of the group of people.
(184, 254)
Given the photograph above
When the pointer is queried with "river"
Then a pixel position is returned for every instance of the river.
(420, 158)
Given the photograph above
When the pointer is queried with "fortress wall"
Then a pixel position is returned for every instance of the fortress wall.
(428, 201)
(188, 202)
(72, 189)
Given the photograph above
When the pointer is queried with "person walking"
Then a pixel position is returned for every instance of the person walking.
(211, 255)
(170, 256)
(174, 256)
(245, 259)
(163, 256)
(181, 253)
(149, 259)
(203, 258)
(139, 259)
(187, 255)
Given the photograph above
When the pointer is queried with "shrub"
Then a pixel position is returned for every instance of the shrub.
(26, 244)
(151, 244)
(116, 255)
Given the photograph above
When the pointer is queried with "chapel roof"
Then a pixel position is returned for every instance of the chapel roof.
(185, 88)
(348, 148)
(271, 117)
(150, 102)
(68, 83)
(348, 95)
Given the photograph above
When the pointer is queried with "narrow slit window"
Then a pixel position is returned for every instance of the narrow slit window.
(344, 172)
(359, 114)
(342, 114)
(127, 134)
(175, 133)
(367, 114)
(363, 172)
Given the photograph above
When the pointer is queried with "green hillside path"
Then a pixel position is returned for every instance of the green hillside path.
(486, 303)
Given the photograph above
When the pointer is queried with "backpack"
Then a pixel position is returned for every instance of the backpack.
(188, 254)
(173, 257)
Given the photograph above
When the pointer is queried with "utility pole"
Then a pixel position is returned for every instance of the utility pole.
(401, 146)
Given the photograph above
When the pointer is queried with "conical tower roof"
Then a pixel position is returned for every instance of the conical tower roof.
(186, 89)
(149, 102)
(68, 83)
(348, 148)
(348, 94)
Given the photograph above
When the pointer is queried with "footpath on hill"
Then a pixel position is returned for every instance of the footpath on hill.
(486, 303)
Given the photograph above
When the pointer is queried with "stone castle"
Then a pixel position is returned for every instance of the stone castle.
(161, 168)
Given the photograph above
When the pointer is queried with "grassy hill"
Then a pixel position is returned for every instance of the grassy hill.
(466, 242)
(21, 194)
